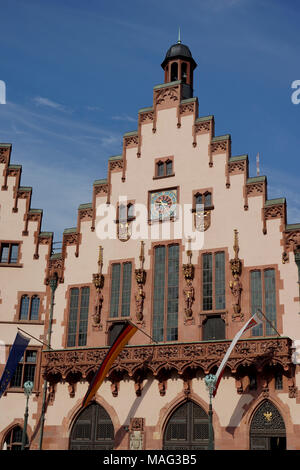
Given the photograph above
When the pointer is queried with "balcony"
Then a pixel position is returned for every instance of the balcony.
(81, 363)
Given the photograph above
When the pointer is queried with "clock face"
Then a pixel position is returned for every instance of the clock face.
(163, 204)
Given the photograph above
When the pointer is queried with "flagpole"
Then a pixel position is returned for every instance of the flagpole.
(45, 344)
(53, 286)
(133, 324)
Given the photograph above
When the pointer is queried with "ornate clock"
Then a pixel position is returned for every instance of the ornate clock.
(162, 204)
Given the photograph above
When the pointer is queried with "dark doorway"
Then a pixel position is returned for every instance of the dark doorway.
(267, 430)
(92, 430)
(187, 428)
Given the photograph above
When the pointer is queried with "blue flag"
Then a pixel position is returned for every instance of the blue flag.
(15, 355)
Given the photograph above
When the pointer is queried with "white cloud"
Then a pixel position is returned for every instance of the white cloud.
(40, 101)
(124, 117)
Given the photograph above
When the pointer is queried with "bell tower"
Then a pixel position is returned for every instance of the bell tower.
(180, 65)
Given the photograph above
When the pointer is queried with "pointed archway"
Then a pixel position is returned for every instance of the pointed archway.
(187, 428)
(267, 429)
(92, 430)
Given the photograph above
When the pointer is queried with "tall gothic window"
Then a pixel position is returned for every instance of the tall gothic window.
(263, 296)
(120, 296)
(213, 281)
(165, 299)
(78, 316)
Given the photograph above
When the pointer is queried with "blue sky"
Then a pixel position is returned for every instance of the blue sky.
(77, 73)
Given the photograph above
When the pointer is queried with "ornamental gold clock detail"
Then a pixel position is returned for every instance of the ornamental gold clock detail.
(162, 204)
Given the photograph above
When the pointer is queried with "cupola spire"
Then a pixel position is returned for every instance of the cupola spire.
(179, 65)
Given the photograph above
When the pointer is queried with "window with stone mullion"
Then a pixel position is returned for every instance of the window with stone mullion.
(172, 303)
(213, 281)
(165, 297)
(121, 290)
(263, 296)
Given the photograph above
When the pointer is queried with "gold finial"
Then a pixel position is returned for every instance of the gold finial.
(236, 247)
(189, 251)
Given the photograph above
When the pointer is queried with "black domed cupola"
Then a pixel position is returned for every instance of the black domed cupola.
(179, 64)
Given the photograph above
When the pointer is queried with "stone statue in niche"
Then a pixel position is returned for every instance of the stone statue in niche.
(236, 285)
(236, 289)
(139, 300)
(189, 294)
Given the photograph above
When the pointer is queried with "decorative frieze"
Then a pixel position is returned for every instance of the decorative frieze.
(116, 165)
(273, 210)
(155, 358)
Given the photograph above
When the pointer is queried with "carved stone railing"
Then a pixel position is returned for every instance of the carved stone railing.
(79, 363)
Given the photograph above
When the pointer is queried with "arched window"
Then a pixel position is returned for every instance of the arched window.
(78, 316)
(34, 309)
(122, 212)
(267, 429)
(184, 72)
(24, 309)
(131, 211)
(174, 72)
(92, 430)
(160, 170)
(13, 440)
(169, 167)
(207, 199)
(187, 428)
(198, 200)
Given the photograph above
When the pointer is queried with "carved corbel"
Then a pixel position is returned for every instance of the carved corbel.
(293, 389)
(71, 390)
(98, 281)
(51, 393)
(236, 285)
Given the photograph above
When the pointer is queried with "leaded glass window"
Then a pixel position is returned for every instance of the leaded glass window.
(34, 309)
(270, 300)
(213, 281)
(207, 281)
(159, 292)
(24, 309)
(9, 253)
(220, 280)
(120, 298)
(13, 439)
(165, 298)
(263, 297)
(126, 290)
(25, 369)
(78, 316)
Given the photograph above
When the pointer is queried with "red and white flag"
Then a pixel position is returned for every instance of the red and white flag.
(254, 320)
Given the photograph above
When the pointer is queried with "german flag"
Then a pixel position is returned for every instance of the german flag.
(127, 332)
